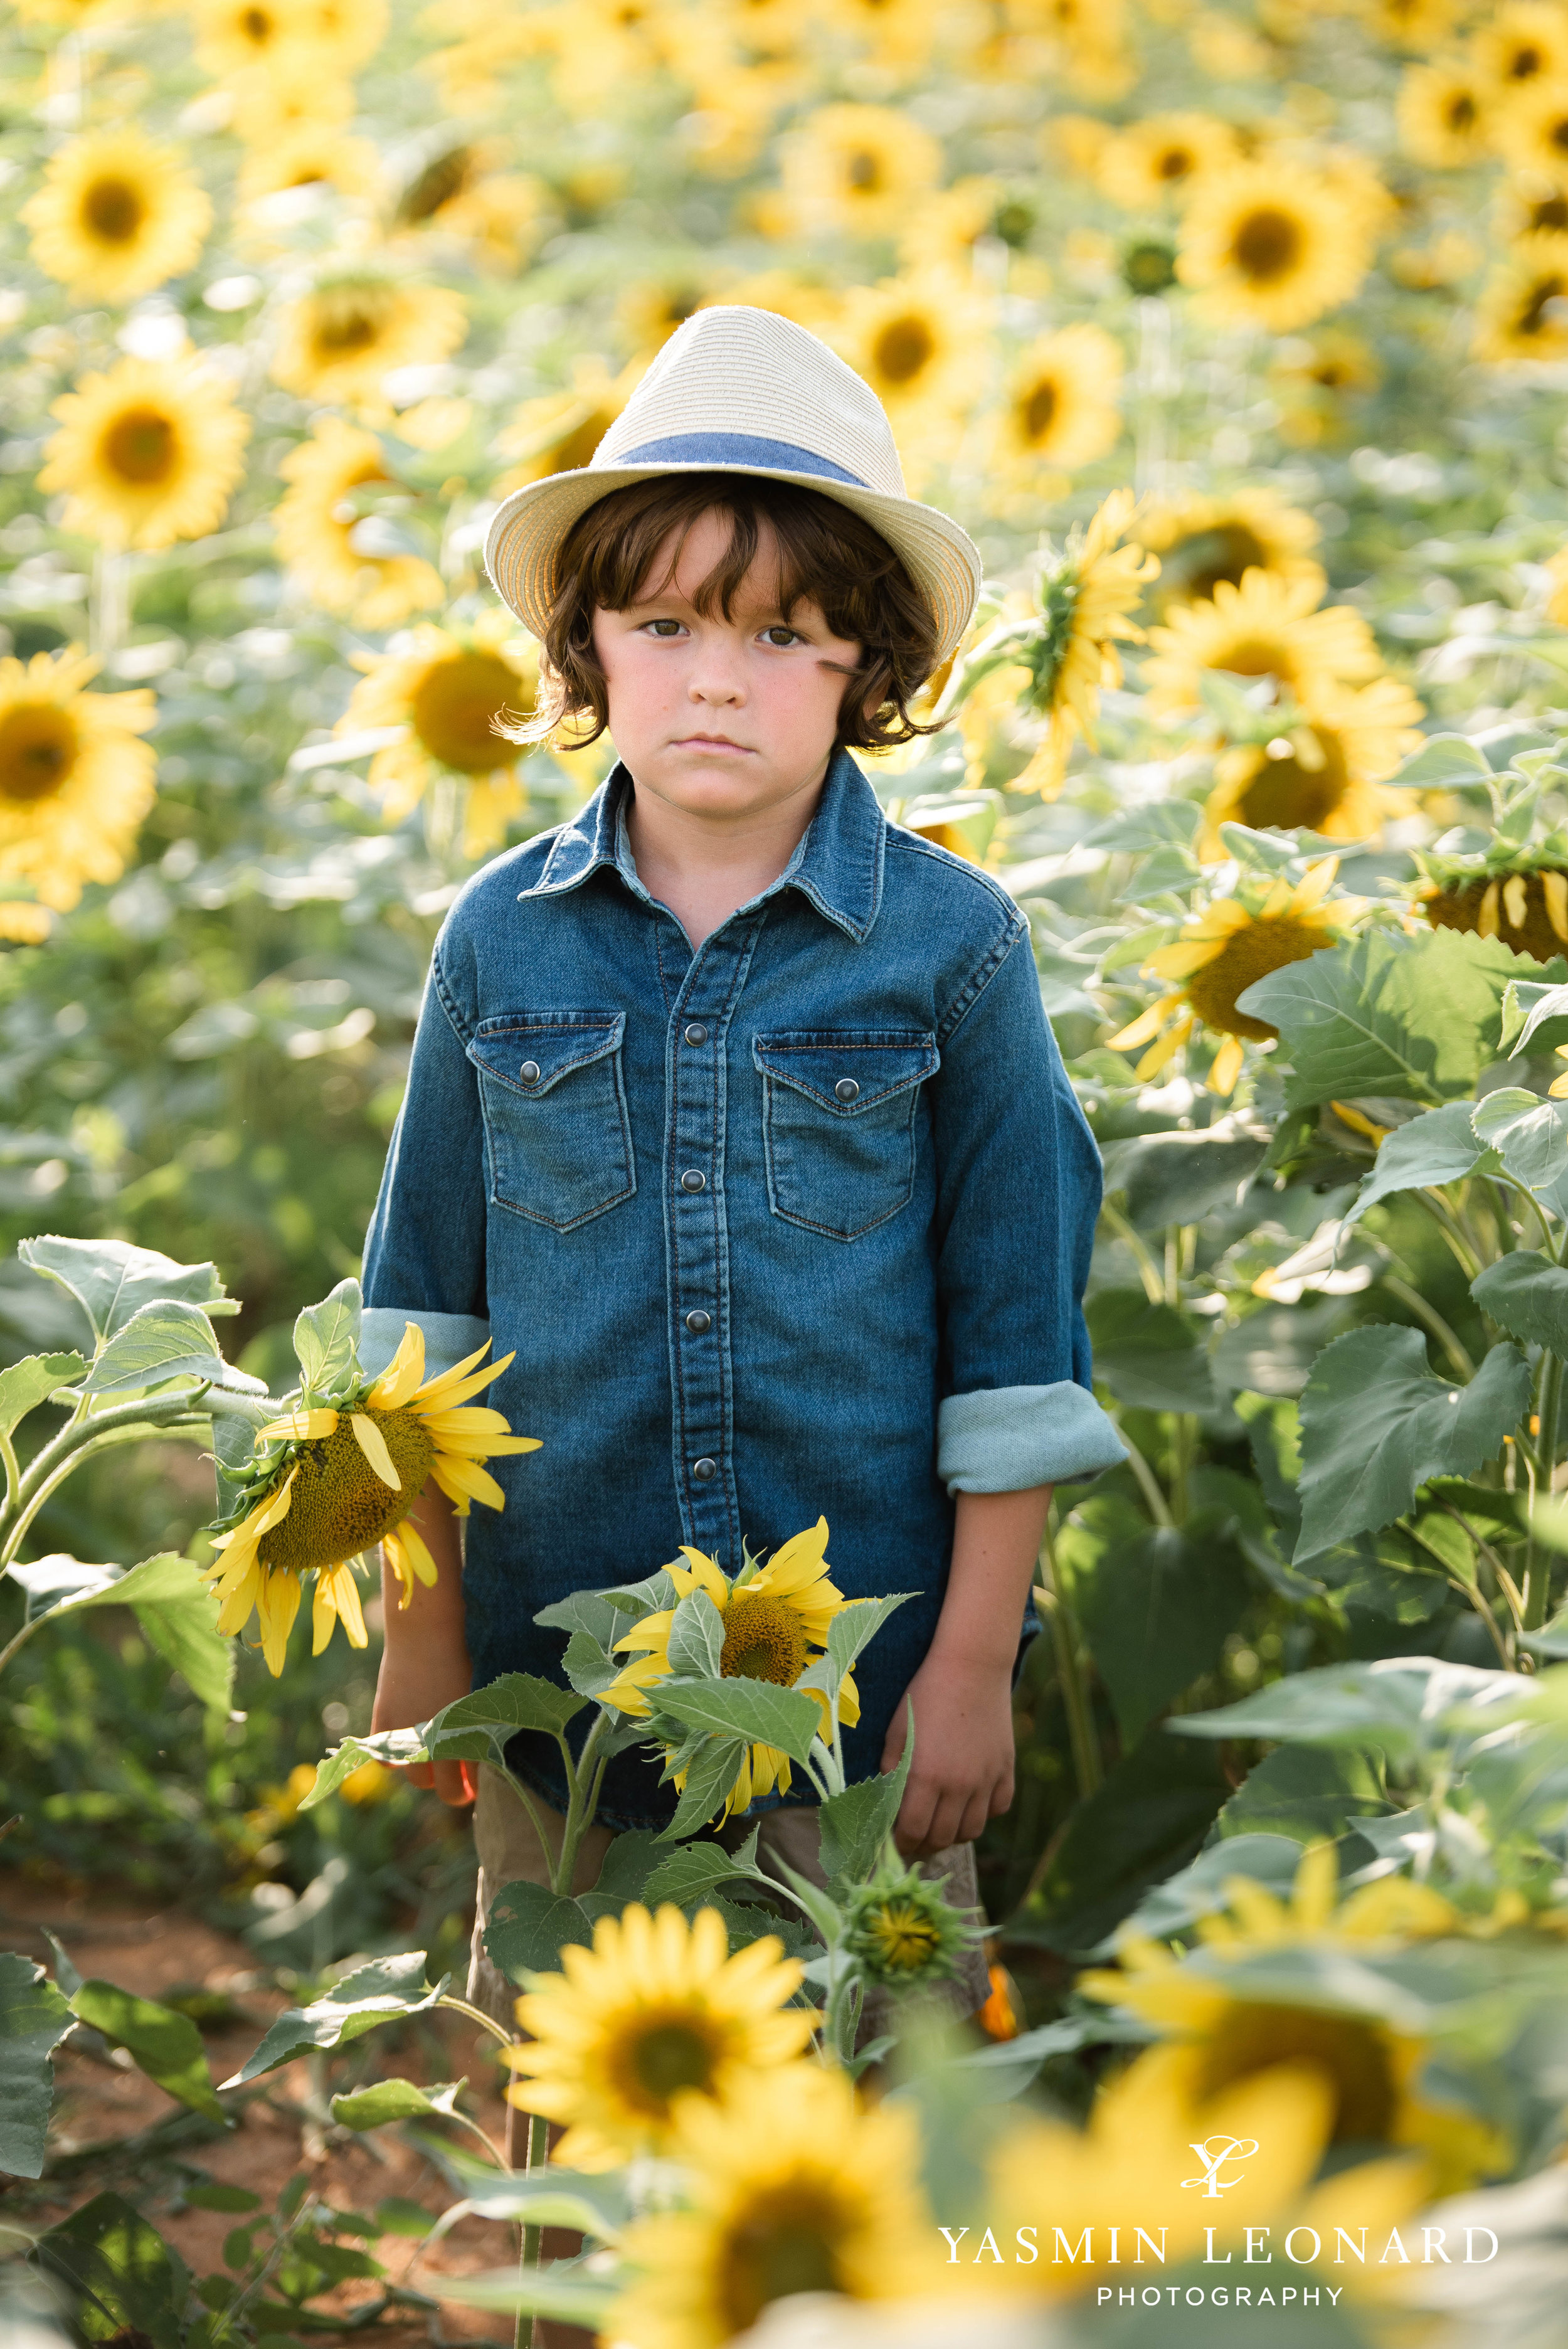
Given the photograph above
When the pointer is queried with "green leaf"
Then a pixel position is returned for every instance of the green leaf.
(854, 1627)
(594, 2204)
(1176, 1178)
(1376, 1424)
(485, 1722)
(1152, 1357)
(855, 1825)
(1389, 1575)
(1400, 1703)
(1531, 1136)
(697, 1868)
(696, 1636)
(590, 1667)
(1307, 1792)
(31, 1381)
(110, 1280)
(1443, 763)
(33, 2019)
(1534, 1012)
(605, 1614)
(528, 1926)
(755, 1710)
(327, 1343)
(385, 1991)
(626, 1869)
(1270, 1351)
(210, 2195)
(176, 1609)
(1417, 1017)
(393, 2100)
(1527, 1295)
(1143, 1823)
(164, 1341)
(167, 2046)
(1438, 1147)
(711, 1773)
(556, 2290)
(1156, 1602)
(131, 2285)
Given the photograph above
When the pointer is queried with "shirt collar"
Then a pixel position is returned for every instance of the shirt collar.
(837, 865)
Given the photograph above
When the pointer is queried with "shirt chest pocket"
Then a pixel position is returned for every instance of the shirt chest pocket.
(558, 1141)
(838, 1110)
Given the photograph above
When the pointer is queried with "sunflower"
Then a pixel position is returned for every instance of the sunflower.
(1409, 23)
(329, 1484)
(1523, 312)
(1527, 909)
(444, 692)
(315, 521)
(776, 1620)
(1524, 41)
(310, 155)
(1202, 540)
(1060, 406)
(1393, 1910)
(1227, 2036)
(1165, 157)
(1444, 115)
(1220, 954)
(269, 108)
(559, 431)
(1133, 2166)
(148, 453)
(945, 228)
(855, 170)
(1266, 627)
(901, 1932)
(656, 2014)
(1071, 647)
(1273, 244)
(1326, 774)
(234, 36)
(74, 782)
(799, 2189)
(599, 43)
(464, 191)
(1531, 130)
(918, 341)
(1315, 378)
(116, 216)
(338, 341)
(896, 35)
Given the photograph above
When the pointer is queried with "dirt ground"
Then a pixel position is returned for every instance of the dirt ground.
(106, 2133)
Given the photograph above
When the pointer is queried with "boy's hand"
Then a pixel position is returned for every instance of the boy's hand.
(962, 1774)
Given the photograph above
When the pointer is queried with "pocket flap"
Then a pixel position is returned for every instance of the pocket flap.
(878, 1062)
(553, 1042)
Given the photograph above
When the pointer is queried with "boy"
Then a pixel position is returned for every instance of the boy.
(734, 1110)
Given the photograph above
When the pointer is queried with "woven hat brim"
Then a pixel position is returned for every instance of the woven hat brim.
(526, 533)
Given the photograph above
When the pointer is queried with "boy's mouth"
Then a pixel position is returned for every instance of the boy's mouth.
(709, 742)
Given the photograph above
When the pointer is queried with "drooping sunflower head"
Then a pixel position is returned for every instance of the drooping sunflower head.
(1061, 402)
(1523, 312)
(74, 781)
(1221, 952)
(146, 453)
(799, 2189)
(656, 2012)
(1202, 540)
(117, 215)
(1272, 244)
(1323, 774)
(316, 522)
(901, 1931)
(339, 341)
(327, 1481)
(1526, 907)
(1164, 159)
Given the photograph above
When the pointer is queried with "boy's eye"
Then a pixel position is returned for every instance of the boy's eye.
(665, 629)
(779, 634)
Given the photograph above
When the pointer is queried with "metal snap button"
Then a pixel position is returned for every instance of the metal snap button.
(694, 1181)
(699, 1323)
(696, 1033)
(705, 1471)
(846, 1090)
(529, 1072)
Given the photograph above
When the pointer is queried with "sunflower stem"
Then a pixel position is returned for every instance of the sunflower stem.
(579, 1814)
(476, 2015)
(99, 1440)
(1537, 1567)
(533, 2235)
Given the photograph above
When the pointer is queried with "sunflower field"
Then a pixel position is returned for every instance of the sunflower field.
(1236, 335)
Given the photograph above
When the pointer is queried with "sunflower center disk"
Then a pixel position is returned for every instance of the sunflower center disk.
(903, 348)
(863, 174)
(1268, 246)
(37, 750)
(666, 2057)
(347, 323)
(453, 705)
(764, 1639)
(1248, 955)
(787, 2243)
(1352, 2054)
(113, 210)
(1284, 794)
(140, 446)
(1040, 411)
(1194, 567)
(339, 1505)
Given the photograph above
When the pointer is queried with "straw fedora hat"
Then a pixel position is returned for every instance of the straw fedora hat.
(738, 391)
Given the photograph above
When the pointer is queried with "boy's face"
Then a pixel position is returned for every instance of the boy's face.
(723, 718)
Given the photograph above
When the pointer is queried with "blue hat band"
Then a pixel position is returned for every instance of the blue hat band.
(735, 449)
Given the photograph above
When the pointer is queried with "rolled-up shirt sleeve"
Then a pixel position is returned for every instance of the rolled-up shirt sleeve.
(1018, 1192)
(425, 1249)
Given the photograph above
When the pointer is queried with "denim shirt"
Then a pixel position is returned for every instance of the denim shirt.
(797, 1224)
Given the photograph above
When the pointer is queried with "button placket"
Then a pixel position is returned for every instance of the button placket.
(697, 1238)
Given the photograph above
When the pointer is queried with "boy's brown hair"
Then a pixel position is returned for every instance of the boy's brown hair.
(825, 552)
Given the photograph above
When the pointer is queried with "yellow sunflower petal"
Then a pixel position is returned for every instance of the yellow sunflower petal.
(461, 1380)
(372, 1443)
(299, 1426)
(1227, 1066)
(277, 1604)
(403, 1373)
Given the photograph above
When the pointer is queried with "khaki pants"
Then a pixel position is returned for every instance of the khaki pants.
(510, 1853)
